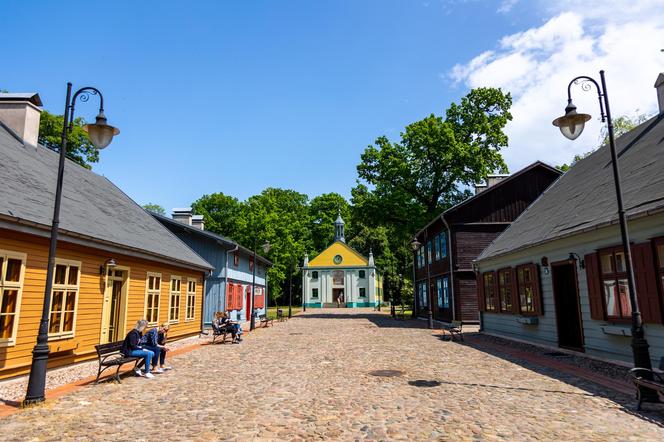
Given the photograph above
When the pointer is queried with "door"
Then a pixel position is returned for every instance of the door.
(568, 311)
(248, 305)
(116, 308)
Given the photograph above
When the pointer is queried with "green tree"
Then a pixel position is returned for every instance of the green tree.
(79, 147)
(222, 214)
(156, 208)
(621, 126)
(323, 211)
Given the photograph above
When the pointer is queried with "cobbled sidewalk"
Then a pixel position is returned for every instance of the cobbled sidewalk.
(309, 379)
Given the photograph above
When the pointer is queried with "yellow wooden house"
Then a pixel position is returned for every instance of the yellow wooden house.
(115, 263)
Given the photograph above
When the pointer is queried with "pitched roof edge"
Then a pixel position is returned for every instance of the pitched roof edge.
(345, 245)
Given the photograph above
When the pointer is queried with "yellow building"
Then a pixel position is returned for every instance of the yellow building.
(340, 275)
(115, 263)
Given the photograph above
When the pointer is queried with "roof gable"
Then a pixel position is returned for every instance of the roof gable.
(92, 206)
(584, 197)
(349, 257)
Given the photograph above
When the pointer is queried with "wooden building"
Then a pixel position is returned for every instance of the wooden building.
(228, 287)
(115, 263)
(557, 276)
(454, 239)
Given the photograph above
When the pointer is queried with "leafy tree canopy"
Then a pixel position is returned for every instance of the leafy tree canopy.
(323, 211)
(79, 147)
(223, 214)
(156, 208)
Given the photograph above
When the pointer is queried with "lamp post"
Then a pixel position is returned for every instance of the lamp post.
(252, 316)
(416, 245)
(101, 135)
(290, 291)
(571, 125)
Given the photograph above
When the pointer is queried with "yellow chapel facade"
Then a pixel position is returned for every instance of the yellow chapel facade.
(340, 276)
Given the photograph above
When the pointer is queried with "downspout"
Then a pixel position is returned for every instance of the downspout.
(451, 259)
(237, 247)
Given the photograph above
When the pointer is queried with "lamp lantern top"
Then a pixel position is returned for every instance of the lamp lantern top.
(267, 246)
(101, 134)
(415, 244)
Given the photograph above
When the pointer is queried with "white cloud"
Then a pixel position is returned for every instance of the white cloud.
(506, 6)
(578, 39)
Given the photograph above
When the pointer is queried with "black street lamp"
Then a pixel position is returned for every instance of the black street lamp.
(290, 291)
(571, 125)
(101, 135)
(416, 245)
(252, 316)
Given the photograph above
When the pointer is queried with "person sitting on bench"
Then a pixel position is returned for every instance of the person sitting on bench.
(221, 323)
(155, 341)
(131, 347)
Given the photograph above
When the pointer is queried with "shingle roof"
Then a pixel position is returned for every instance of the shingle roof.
(206, 233)
(584, 198)
(92, 206)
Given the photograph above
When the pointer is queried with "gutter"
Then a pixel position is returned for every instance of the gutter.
(451, 258)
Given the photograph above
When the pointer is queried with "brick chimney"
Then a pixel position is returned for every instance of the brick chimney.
(659, 85)
(198, 222)
(183, 215)
(21, 112)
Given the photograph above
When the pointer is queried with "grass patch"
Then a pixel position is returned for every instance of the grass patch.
(272, 311)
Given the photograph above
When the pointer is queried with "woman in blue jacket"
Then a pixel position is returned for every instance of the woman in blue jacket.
(131, 347)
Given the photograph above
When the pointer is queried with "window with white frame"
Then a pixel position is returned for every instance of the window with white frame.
(443, 245)
(12, 270)
(191, 299)
(314, 293)
(362, 274)
(314, 274)
(174, 299)
(64, 294)
(152, 298)
(439, 291)
(446, 292)
(363, 292)
(429, 247)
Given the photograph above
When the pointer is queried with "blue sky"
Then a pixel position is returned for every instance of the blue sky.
(238, 96)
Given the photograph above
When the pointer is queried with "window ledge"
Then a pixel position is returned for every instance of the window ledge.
(616, 330)
(173, 321)
(528, 320)
(7, 343)
(58, 337)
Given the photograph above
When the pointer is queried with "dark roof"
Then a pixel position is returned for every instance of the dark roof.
(490, 190)
(93, 208)
(207, 234)
(584, 197)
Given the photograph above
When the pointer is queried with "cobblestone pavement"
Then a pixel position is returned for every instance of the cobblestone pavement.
(308, 378)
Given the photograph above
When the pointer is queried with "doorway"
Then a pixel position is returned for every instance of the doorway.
(338, 295)
(568, 310)
(114, 314)
(248, 305)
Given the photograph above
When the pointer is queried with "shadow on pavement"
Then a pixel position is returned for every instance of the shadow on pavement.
(382, 320)
(653, 413)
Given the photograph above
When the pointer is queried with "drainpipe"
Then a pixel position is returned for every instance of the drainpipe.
(228, 252)
(451, 259)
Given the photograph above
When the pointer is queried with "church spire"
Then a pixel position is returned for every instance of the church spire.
(339, 229)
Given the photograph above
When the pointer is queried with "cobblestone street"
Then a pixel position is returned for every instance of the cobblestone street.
(309, 378)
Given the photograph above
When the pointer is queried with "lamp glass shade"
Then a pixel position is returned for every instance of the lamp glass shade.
(266, 247)
(571, 124)
(101, 135)
(415, 244)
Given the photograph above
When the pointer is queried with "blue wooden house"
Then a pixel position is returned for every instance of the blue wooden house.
(228, 287)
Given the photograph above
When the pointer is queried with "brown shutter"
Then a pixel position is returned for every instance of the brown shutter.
(646, 283)
(537, 295)
(594, 287)
(514, 290)
(480, 292)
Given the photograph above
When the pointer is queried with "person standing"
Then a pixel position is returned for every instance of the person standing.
(131, 347)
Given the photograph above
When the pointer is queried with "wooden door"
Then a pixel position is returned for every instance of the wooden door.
(568, 310)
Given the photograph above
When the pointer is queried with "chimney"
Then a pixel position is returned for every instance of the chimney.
(21, 112)
(659, 85)
(491, 180)
(198, 222)
(182, 215)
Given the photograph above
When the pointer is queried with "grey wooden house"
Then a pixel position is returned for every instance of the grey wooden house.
(557, 277)
(228, 287)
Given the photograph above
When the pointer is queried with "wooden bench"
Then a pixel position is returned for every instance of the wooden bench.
(642, 377)
(400, 313)
(265, 320)
(109, 356)
(455, 329)
(220, 332)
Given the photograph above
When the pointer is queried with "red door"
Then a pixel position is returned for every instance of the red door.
(248, 304)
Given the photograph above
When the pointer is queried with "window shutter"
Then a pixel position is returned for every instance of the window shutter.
(229, 296)
(480, 292)
(537, 295)
(238, 297)
(594, 287)
(646, 283)
(514, 290)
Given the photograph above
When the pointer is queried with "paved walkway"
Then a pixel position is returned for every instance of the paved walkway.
(309, 378)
